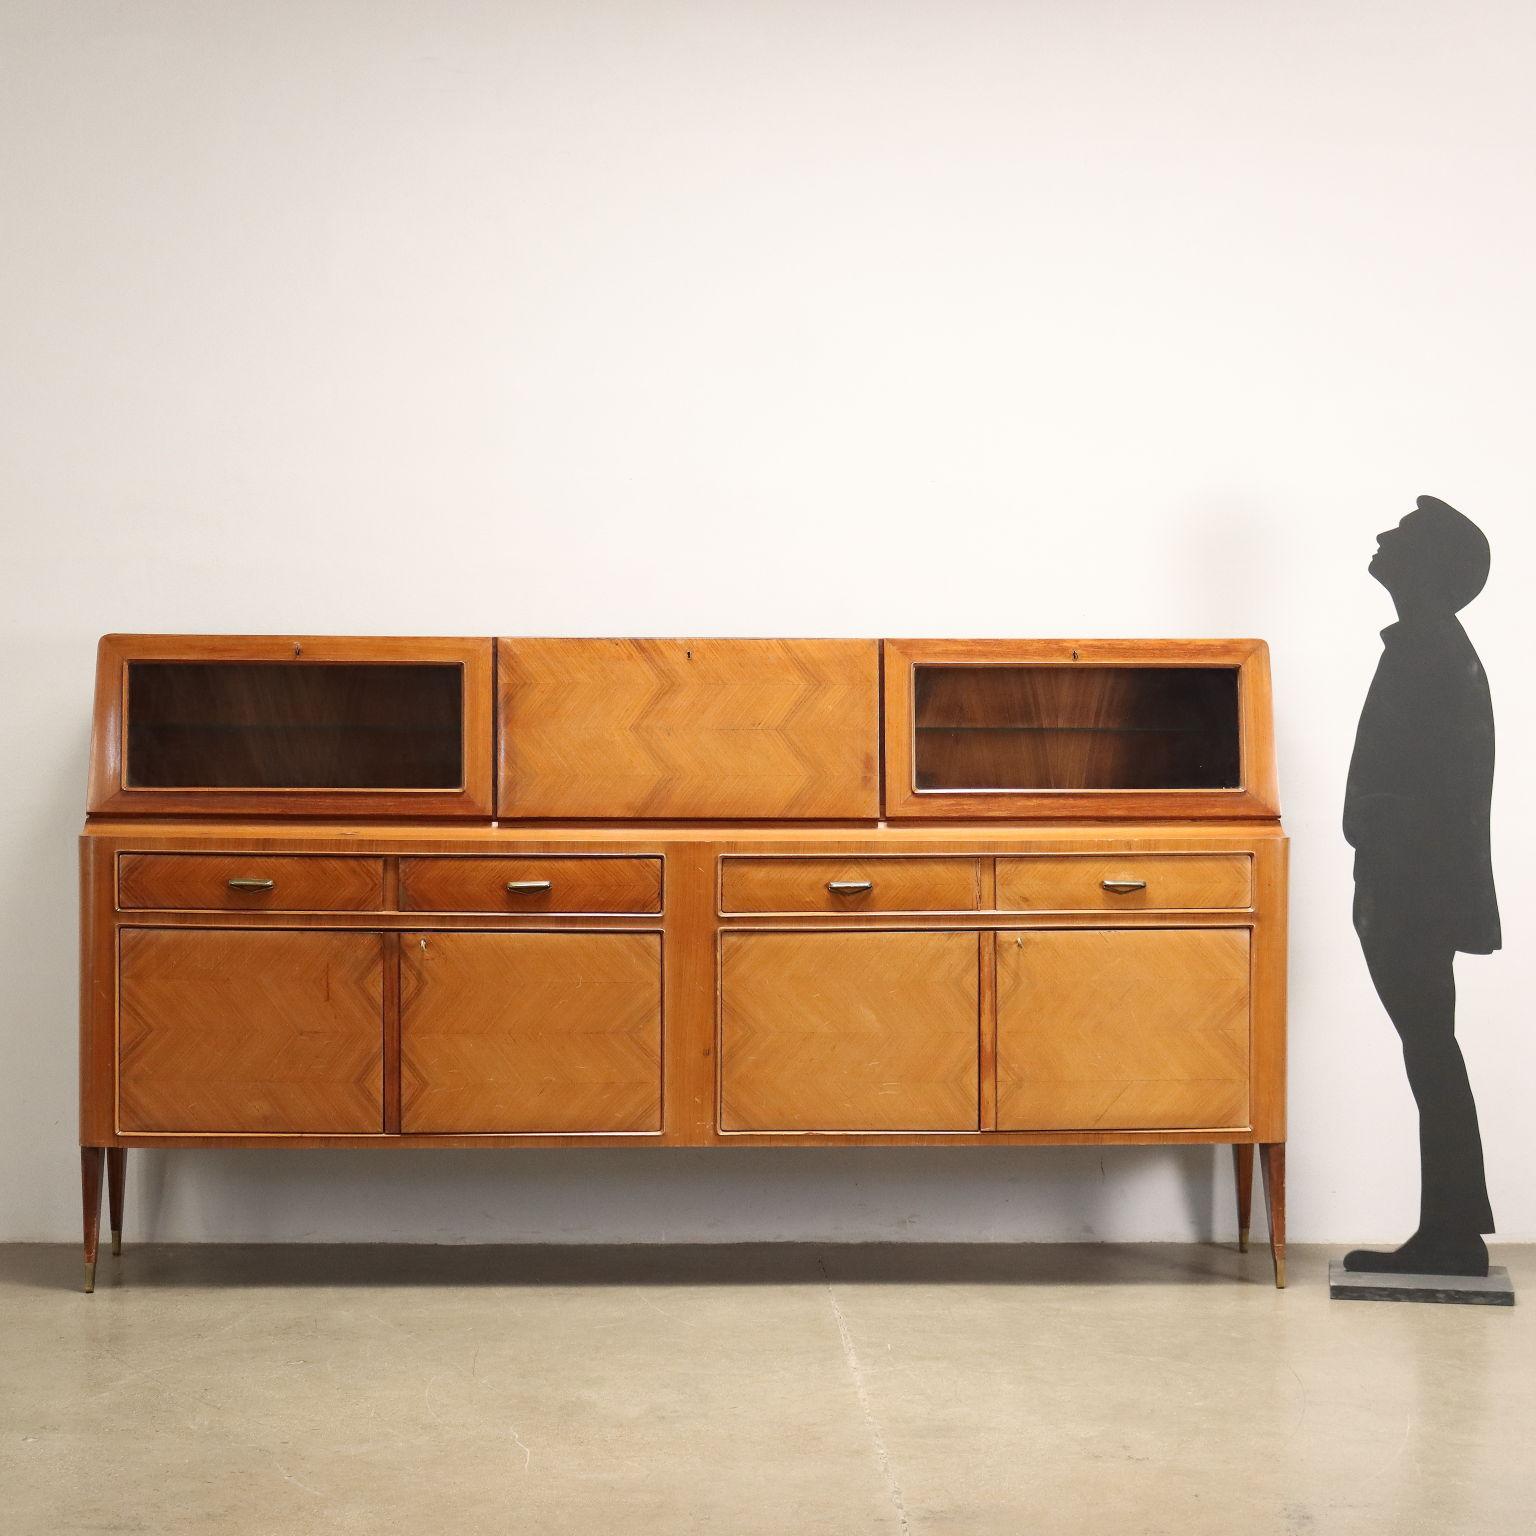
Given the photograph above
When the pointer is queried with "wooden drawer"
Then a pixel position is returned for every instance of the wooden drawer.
(536, 883)
(872, 885)
(1131, 882)
(280, 882)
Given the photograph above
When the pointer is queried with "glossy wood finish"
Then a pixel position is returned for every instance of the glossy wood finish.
(689, 729)
(1123, 1028)
(197, 882)
(541, 884)
(1272, 1161)
(849, 885)
(117, 1173)
(1242, 1177)
(692, 855)
(1065, 759)
(849, 1031)
(238, 1032)
(1096, 882)
(112, 792)
(791, 1012)
(553, 1033)
(90, 1201)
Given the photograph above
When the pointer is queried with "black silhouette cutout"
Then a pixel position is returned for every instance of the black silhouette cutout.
(1416, 812)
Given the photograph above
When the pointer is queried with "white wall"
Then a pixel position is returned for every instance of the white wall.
(1065, 317)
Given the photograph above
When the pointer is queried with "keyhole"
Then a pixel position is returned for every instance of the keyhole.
(298, 650)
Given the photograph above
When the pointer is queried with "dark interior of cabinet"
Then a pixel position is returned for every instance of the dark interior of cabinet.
(294, 725)
(1075, 728)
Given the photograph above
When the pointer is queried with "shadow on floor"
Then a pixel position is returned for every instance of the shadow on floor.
(51, 1266)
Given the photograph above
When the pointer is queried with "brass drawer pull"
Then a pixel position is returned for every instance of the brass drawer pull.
(1123, 887)
(238, 884)
(527, 887)
(849, 887)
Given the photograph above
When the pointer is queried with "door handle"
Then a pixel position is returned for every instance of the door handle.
(527, 887)
(1123, 887)
(240, 884)
(849, 887)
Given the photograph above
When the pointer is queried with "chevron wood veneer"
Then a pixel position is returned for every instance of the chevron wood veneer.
(251, 1033)
(520, 1032)
(689, 728)
(849, 1031)
(1113, 1028)
(833, 885)
(197, 882)
(689, 893)
(1078, 883)
(530, 885)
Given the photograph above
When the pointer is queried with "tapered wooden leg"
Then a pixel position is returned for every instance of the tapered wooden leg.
(1272, 1161)
(1242, 1172)
(90, 1195)
(117, 1170)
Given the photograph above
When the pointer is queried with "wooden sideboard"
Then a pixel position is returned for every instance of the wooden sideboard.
(713, 892)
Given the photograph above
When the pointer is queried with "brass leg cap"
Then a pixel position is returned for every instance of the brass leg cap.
(1279, 1274)
(1242, 1240)
(90, 1276)
(117, 1241)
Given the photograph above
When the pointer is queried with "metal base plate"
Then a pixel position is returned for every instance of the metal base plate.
(1492, 1290)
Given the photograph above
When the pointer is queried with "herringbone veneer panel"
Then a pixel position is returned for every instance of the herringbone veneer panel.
(311, 882)
(689, 728)
(1170, 881)
(526, 1032)
(849, 1031)
(1122, 1029)
(251, 1032)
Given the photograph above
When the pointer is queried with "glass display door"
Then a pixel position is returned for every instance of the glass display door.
(333, 726)
(1099, 729)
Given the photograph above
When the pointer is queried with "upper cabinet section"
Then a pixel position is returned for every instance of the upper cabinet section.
(689, 729)
(681, 730)
(1078, 728)
(300, 726)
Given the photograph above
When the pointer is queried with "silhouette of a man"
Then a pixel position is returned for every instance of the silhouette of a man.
(1416, 812)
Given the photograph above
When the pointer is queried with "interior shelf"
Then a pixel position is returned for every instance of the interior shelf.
(265, 725)
(1040, 727)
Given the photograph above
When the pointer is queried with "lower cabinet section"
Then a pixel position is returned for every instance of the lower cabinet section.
(255, 1032)
(849, 1031)
(1122, 1029)
(530, 1032)
(282, 1032)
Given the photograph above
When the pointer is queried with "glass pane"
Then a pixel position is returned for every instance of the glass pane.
(288, 725)
(1076, 727)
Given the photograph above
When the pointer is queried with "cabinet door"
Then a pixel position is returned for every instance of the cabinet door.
(849, 1032)
(1062, 728)
(689, 729)
(268, 726)
(530, 1032)
(1122, 1029)
(254, 1033)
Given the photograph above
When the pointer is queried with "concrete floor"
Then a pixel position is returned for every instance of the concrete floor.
(795, 1390)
